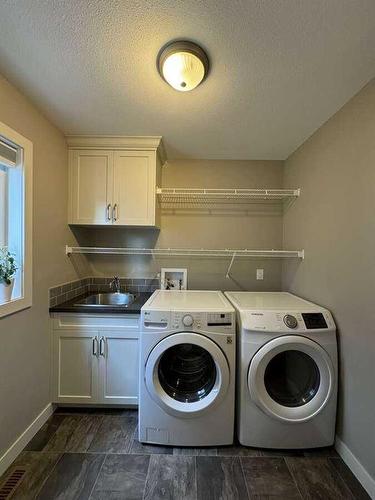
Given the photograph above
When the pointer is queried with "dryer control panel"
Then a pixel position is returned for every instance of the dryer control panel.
(286, 321)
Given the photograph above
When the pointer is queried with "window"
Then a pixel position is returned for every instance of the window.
(16, 217)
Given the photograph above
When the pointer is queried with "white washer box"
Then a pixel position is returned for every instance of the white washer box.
(287, 371)
(176, 278)
(187, 369)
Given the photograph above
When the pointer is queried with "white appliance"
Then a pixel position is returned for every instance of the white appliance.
(287, 371)
(187, 369)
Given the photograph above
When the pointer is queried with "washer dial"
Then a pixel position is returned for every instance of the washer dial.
(290, 321)
(187, 320)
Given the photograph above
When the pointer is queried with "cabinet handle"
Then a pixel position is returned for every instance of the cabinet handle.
(102, 346)
(114, 213)
(109, 211)
(95, 346)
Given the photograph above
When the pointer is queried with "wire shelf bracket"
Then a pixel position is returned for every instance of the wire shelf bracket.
(230, 266)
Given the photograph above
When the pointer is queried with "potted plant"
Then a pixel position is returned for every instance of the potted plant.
(8, 269)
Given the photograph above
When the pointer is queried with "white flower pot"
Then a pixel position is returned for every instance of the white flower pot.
(6, 292)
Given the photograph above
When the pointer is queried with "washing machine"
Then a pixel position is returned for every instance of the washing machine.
(287, 371)
(187, 369)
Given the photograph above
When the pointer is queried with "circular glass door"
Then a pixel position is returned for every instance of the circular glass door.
(291, 378)
(186, 373)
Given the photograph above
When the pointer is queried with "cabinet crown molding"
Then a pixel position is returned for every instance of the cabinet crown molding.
(129, 142)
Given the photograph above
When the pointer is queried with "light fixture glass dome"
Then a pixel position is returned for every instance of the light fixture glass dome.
(183, 71)
(183, 65)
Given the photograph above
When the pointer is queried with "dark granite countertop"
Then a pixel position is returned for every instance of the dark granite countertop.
(71, 306)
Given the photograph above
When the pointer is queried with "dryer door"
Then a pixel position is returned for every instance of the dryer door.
(291, 378)
(186, 374)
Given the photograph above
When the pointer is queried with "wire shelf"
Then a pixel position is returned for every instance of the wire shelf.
(206, 196)
(191, 252)
(187, 252)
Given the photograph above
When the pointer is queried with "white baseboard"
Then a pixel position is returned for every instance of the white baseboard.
(367, 481)
(15, 449)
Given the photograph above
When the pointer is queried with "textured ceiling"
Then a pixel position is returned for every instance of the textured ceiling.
(280, 68)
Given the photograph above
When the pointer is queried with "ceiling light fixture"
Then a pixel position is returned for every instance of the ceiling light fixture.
(183, 65)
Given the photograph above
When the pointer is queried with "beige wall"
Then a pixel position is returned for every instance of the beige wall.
(259, 226)
(24, 336)
(334, 222)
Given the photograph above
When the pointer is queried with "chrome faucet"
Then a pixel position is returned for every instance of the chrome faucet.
(115, 284)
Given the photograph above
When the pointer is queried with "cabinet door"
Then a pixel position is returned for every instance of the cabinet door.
(90, 187)
(134, 181)
(119, 368)
(75, 367)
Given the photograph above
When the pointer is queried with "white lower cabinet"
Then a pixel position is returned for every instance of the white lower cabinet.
(76, 368)
(118, 369)
(95, 359)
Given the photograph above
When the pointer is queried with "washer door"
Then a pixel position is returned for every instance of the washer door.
(291, 378)
(186, 374)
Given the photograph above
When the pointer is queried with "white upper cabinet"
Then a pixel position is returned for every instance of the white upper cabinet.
(134, 194)
(116, 184)
(90, 187)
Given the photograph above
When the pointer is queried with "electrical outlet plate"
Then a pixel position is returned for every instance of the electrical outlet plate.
(260, 274)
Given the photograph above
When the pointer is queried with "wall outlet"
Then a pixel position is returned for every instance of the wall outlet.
(260, 274)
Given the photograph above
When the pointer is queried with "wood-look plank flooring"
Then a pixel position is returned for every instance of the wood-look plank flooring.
(73, 477)
(95, 454)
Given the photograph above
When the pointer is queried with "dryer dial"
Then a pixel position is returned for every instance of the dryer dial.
(290, 321)
(188, 320)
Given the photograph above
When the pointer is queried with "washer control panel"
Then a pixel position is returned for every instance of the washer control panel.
(201, 320)
(182, 320)
(219, 319)
(194, 321)
(156, 320)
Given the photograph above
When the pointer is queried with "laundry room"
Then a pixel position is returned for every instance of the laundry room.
(186, 237)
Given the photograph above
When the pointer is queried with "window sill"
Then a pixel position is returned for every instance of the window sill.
(15, 306)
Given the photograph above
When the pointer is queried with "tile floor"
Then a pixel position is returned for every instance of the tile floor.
(82, 454)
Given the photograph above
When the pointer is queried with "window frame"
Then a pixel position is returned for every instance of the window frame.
(26, 145)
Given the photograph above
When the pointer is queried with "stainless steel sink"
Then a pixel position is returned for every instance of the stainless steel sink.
(107, 299)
